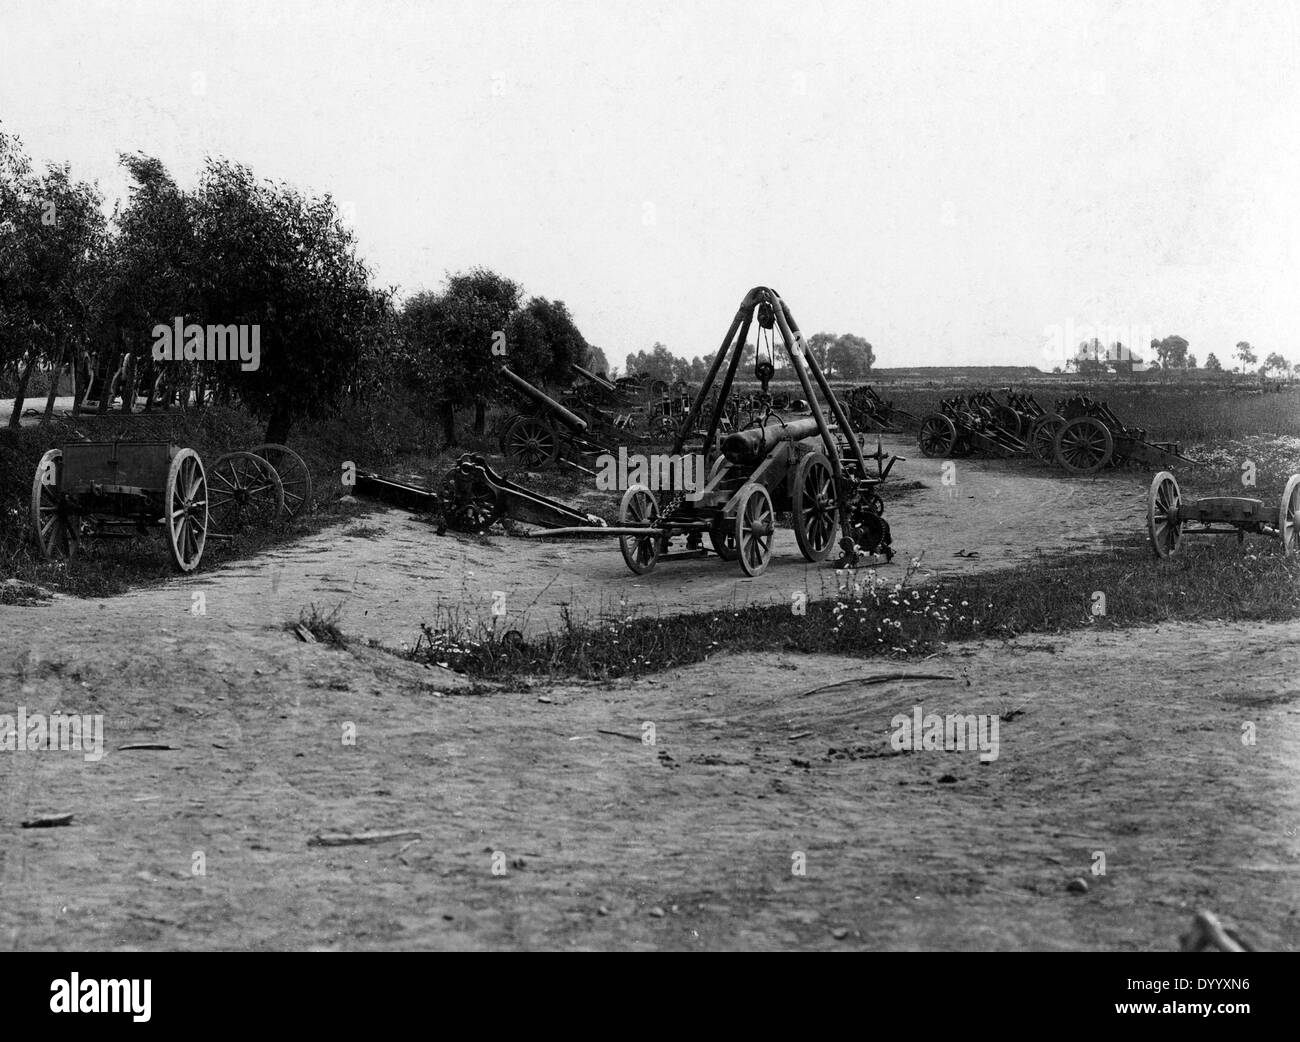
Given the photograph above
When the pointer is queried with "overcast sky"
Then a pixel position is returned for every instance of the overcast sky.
(948, 180)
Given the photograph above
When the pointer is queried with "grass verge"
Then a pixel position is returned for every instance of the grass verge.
(1209, 581)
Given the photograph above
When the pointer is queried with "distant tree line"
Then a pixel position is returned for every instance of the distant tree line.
(1170, 353)
(846, 357)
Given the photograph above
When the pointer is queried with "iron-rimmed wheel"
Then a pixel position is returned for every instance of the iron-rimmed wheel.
(814, 506)
(1163, 523)
(185, 501)
(755, 528)
(639, 507)
(1042, 436)
(1084, 445)
(532, 442)
(1288, 516)
(938, 436)
(1008, 419)
(294, 476)
(723, 538)
(244, 491)
(54, 529)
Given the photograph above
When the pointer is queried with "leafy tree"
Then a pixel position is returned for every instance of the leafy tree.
(819, 346)
(1171, 351)
(148, 277)
(1212, 364)
(1245, 354)
(269, 256)
(1191, 361)
(448, 340)
(597, 362)
(1276, 363)
(850, 357)
(51, 238)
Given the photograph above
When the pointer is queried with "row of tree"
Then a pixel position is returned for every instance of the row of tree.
(846, 357)
(1172, 352)
(83, 290)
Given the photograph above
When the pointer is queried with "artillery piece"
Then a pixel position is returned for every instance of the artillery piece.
(1169, 518)
(966, 425)
(869, 410)
(753, 474)
(1087, 435)
(543, 432)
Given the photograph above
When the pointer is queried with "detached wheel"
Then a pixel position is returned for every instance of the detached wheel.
(1288, 516)
(938, 436)
(814, 506)
(185, 500)
(755, 529)
(639, 507)
(294, 476)
(54, 530)
(1163, 524)
(1042, 437)
(531, 442)
(244, 491)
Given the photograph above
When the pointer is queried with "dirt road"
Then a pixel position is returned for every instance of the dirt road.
(388, 583)
(544, 819)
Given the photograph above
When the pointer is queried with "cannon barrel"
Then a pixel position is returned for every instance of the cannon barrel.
(574, 422)
(750, 446)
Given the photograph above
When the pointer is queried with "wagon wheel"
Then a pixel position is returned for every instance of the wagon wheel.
(755, 529)
(658, 388)
(1288, 516)
(244, 490)
(532, 442)
(1163, 524)
(1084, 445)
(186, 503)
(294, 476)
(816, 512)
(1042, 436)
(938, 436)
(503, 429)
(1008, 419)
(54, 528)
(639, 507)
(723, 538)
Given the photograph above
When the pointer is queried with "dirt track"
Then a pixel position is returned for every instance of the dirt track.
(388, 584)
(1129, 744)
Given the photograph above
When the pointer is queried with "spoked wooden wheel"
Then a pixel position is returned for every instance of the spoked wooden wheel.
(639, 507)
(938, 436)
(723, 538)
(532, 442)
(1084, 445)
(1008, 419)
(1163, 524)
(244, 491)
(294, 476)
(815, 509)
(54, 528)
(1288, 516)
(1042, 436)
(755, 529)
(186, 503)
